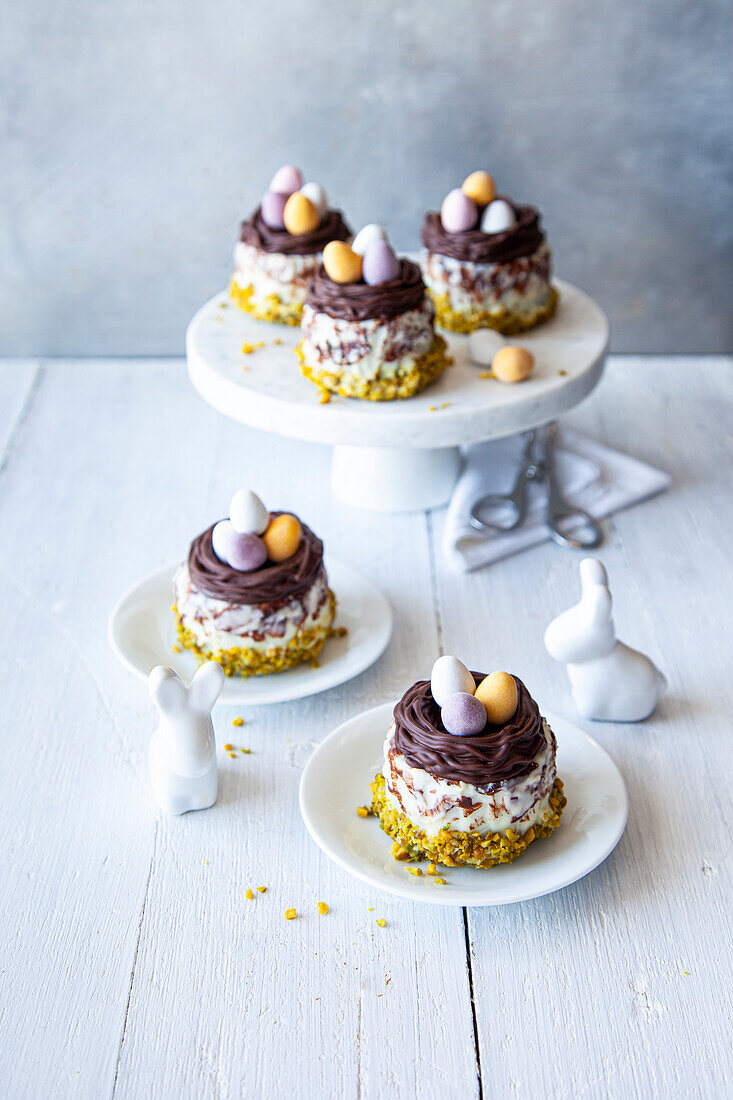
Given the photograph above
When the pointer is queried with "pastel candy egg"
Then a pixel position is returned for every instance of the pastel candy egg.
(286, 180)
(498, 694)
(479, 186)
(316, 194)
(222, 538)
(380, 263)
(449, 676)
(247, 513)
(367, 236)
(497, 217)
(512, 364)
(483, 345)
(463, 714)
(282, 537)
(242, 552)
(300, 215)
(272, 209)
(342, 264)
(458, 212)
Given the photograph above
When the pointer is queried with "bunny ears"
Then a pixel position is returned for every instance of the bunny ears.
(171, 696)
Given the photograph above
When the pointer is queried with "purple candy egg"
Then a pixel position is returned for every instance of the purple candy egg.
(286, 180)
(458, 212)
(242, 552)
(272, 208)
(463, 714)
(380, 263)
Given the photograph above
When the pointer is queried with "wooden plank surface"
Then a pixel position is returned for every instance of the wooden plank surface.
(136, 967)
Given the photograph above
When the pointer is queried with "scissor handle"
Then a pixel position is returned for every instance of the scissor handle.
(586, 533)
(511, 501)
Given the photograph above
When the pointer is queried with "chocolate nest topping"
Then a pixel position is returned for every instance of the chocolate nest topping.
(271, 584)
(524, 238)
(496, 754)
(360, 302)
(332, 228)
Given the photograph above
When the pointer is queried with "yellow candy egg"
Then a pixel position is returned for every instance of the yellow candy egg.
(498, 693)
(512, 364)
(300, 215)
(282, 537)
(479, 186)
(341, 263)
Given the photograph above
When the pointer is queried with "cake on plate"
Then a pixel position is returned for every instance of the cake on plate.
(486, 261)
(253, 593)
(469, 772)
(368, 323)
(281, 245)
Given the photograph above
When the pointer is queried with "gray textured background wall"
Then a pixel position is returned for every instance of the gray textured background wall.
(135, 134)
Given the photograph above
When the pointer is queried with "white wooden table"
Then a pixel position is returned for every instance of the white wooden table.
(133, 965)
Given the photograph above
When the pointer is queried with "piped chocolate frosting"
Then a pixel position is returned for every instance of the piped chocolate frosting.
(332, 228)
(271, 584)
(495, 755)
(361, 302)
(522, 239)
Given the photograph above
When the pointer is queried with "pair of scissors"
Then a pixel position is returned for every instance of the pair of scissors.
(502, 512)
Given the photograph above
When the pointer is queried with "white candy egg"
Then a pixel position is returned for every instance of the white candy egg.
(317, 196)
(483, 345)
(448, 677)
(367, 236)
(247, 513)
(497, 217)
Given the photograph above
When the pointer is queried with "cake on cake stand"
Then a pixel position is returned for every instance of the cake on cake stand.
(394, 456)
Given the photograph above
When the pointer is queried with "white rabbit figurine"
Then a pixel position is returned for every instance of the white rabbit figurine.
(609, 681)
(182, 756)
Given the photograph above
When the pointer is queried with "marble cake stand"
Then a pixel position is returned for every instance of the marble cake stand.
(394, 456)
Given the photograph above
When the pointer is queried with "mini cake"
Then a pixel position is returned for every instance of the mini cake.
(486, 261)
(368, 323)
(469, 770)
(281, 245)
(253, 594)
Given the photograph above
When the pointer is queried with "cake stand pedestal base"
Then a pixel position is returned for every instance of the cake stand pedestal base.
(394, 479)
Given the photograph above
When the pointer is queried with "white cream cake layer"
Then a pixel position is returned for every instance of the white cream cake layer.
(367, 350)
(217, 624)
(431, 802)
(520, 286)
(275, 273)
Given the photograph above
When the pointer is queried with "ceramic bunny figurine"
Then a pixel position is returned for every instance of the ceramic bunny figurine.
(182, 756)
(609, 681)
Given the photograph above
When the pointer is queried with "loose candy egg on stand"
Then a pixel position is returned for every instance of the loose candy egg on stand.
(316, 194)
(300, 215)
(448, 677)
(483, 345)
(247, 513)
(463, 714)
(479, 186)
(287, 180)
(366, 236)
(512, 364)
(282, 537)
(272, 209)
(498, 695)
(342, 264)
(458, 212)
(380, 263)
(497, 217)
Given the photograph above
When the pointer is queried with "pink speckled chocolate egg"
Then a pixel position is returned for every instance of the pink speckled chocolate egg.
(463, 714)
(458, 212)
(272, 208)
(287, 180)
(380, 263)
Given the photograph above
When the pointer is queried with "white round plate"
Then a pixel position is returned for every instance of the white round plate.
(266, 389)
(337, 777)
(142, 634)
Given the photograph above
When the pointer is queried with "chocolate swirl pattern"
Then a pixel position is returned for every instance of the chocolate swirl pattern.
(524, 238)
(332, 228)
(272, 584)
(360, 302)
(495, 755)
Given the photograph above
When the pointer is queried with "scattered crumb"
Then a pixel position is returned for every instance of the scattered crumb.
(261, 889)
(437, 408)
(238, 721)
(223, 305)
(248, 348)
(485, 374)
(290, 914)
(322, 908)
(432, 869)
(245, 751)
(562, 373)
(176, 648)
(439, 881)
(399, 853)
(381, 922)
(415, 870)
(388, 981)
(233, 755)
(277, 340)
(363, 811)
(248, 894)
(228, 748)
(370, 909)
(324, 398)
(338, 632)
